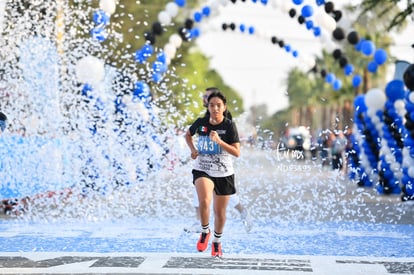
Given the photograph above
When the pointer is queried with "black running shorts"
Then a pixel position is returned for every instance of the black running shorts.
(222, 186)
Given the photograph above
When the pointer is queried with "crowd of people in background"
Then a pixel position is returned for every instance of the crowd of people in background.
(333, 147)
(330, 147)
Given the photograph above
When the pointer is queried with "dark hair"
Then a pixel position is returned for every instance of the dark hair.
(217, 93)
(3, 116)
(212, 89)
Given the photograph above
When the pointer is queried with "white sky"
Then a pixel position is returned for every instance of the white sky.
(255, 67)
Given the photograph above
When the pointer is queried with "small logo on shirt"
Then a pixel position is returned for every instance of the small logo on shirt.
(203, 129)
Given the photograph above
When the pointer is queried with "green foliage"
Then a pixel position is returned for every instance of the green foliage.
(388, 12)
(277, 122)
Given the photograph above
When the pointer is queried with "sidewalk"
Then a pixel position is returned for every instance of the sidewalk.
(164, 263)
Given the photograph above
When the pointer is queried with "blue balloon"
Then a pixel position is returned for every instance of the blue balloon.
(86, 90)
(251, 30)
(158, 66)
(395, 90)
(157, 77)
(242, 27)
(147, 50)
(161, 57)
(100, 17)
(372, 67)
(356, 80)
(139, 56)
(288, 48)
(99, 33)
(389, 105)
(380, 56)
(358, 46)
(409, 142)
(141, 90)
(180, 3)
(317, 31)
(320, 2)
(367, 47)
(309, 24)
(348, 69)
(337, 84)
(297, 2)
(264, 2)
(295, 53)
(206, 11)
(194, 32)
(380, 114)
(388, 174)
(410, 108)
(197, 16)
(330, 78)
(406, 179)
(307, 11)
(409, 189)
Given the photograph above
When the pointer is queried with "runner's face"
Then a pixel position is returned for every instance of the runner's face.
(216, 107)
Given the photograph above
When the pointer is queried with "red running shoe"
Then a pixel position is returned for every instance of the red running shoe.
(216, 250)
(202, 243)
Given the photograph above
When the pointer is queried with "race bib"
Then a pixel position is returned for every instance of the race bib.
(207, 147)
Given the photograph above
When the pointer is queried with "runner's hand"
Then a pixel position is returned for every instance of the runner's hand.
(194, 154)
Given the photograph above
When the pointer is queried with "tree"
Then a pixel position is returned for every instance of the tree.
(398, 19)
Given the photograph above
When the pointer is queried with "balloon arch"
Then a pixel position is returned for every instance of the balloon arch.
(383, 131)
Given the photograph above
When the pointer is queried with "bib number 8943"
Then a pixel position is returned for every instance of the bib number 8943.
(207, 147)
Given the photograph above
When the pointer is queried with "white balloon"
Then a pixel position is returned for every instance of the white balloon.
(224, 2)
(319, 17)
(410, 172)
(214, 5)
(411, 97)
(286, 6)
(373, 116)
(399, 104)
(260, 33)
(310, 62)
(164, 18)
(324, 38)
(214, 9)
(398, 174)
(325, 21)
(389, 158)
(375, 99)
(109, 6)
(176, 40)
(275, 4)
(168, 60)
(170, 50)
(172, 9)
(395, 166)
(405, 153)
(90, 70)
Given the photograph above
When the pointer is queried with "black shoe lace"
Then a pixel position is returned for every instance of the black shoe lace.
(203, 237)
